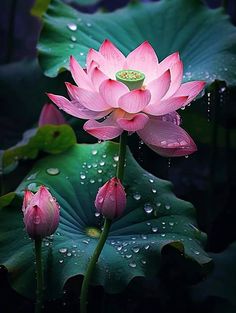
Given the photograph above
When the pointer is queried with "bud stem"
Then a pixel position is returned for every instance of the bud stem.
(39, 275)
(104, 234)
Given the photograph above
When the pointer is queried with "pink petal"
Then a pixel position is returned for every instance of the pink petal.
(79, 75)
(144, 59)
(74, 108)
(96, 57)
(108, 129)
(167, 138)
(133, 123)
(50, 115)
(88, 99)
(172, 117)
(176, 73)
(135, 100)
(114, 58)
(159, 86)
(166, 106)
(97, 77)
(190, 89)
(111, 91)
(168, 62)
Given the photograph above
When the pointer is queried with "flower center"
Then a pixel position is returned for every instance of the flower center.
(131, 78)
(93, 232)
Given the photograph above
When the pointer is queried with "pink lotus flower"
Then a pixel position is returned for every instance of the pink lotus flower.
(111, 199)
(41, 213)
(135, 94)
(50, 115)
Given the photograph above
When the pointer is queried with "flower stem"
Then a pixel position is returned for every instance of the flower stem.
(39, 275)
(104, 234)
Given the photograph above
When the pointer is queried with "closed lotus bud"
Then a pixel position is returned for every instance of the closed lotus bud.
(51, 115)
(111, 199)
(41, 213)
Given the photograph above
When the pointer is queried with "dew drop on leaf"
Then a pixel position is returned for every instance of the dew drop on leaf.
(52, 171)
(72, 26)
(148, 208)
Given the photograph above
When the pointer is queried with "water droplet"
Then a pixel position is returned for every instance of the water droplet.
(146, 247)
(85, 241)
(158, 204)
(151, 180)
(135, 249)
(119, 248)
(154, 229)
(102, 163)
(137, 196)
(171, 223)
(47, 244)
(128, 256)
(81, 53)
(88, 24)
(167, 207)
(104, 156)
(71, 45)
(154, 190)
(92, 181)
(73, 38)
(63, 250)
(132, 264)
(116, 158)
(53, 171)
(148, 208)
(82, 176)
(97, 214)
(72, 26)
(163, 235)
(143, 262)
(61, 261)
(196, 252)
(114, 165)
(144, 236)
(94, 152)
(99, 171)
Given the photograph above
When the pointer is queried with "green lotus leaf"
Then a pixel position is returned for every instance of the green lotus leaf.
(154, 218)
(49, 138)
(204, 37)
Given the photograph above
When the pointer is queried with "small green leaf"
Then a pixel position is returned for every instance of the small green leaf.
(205, 38)
(49, 138)
(154, 218)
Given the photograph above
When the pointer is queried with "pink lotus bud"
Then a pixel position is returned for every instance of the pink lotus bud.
(51, 115)
(41, 213)
(27, 198)
(111, 199)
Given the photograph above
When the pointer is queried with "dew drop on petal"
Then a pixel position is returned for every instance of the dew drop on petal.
(82, 176)
(144, 262)
(94, 152)
(132, 264)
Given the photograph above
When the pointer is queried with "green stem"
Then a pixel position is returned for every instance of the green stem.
(104, 234)
(39, 275)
